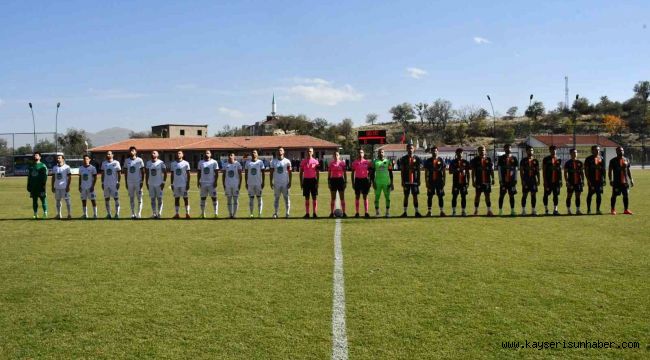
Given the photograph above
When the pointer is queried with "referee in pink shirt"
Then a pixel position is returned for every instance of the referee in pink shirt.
(309, 182)
(337, 179)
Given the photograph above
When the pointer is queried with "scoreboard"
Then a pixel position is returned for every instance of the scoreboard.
(371, 137)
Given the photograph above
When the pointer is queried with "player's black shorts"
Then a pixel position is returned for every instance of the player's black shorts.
(574, 188)
(361, 186)
(529, 186)
(36, 194)
(483, 188)
(337, 184)
(436, 188)
(510, 188)
(552, 189)
(620, 189)
(596, 188)
(411, 189)
(310, 187)
(459, 189)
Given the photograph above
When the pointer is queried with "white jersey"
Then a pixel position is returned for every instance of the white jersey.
(180, 169)
(254, 170)
(207, 169)
(61, 176)
(86, 174)
(281, 170)
(156, 170)
(232, 173)
(133, 167)
(111, 170)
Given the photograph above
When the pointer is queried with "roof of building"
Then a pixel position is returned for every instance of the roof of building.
(567, 140)
(219, 143)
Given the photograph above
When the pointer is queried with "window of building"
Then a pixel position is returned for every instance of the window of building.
(199, 132)
(182, 132)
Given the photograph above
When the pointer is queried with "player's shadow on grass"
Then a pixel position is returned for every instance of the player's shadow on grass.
(320, 218)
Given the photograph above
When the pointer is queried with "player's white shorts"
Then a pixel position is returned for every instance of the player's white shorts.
(86, 194)
(134, 190)
(208, 190)
(155, 192)
(254, 190)
(232, 190)
(281, 189)
(180, 192)
(60, 194)
(111, 191)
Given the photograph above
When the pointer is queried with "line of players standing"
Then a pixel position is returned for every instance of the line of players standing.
(377, 173)
(479, 173)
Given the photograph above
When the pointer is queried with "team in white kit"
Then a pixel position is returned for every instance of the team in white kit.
(153, 174)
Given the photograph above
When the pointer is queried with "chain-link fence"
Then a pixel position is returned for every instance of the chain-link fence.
(639, 155)
(16, 150)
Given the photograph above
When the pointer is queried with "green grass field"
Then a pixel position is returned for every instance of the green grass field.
(258, 289)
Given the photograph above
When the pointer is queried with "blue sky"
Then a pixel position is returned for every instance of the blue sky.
(135, 64)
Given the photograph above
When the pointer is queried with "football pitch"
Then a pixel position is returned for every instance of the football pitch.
(263, 288)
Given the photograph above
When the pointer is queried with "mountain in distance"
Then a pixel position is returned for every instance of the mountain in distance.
(108, 136)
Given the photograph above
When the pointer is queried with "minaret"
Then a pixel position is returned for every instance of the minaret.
(273, 106)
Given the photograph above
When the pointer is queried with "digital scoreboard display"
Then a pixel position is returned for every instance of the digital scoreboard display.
(371, 137)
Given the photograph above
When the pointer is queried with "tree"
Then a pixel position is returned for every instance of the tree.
(371, 118)
(512, 112)
(535, 110)
(614, 125)
(474, 119)
(74, 142)
(320, 125)
(582, 106)
(228, 130)
(141, 135)
(402, 113)
(24, 150)
(461, 133)
(4, 149)
(606, 106)
(345, 131)
(641, 89)
(297, 123)
(505, 134)
(45, 145)
(421, 109)
(439, 114)
(477, 126)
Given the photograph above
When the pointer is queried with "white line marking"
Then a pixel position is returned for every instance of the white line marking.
(339, 335)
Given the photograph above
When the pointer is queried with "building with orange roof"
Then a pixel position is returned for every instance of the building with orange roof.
(193, 147)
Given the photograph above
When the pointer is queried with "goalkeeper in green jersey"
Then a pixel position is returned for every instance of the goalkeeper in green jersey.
(381, 176)
(36, 180)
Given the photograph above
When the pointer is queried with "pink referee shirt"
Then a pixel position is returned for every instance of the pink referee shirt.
(360, 168)
(337, 168)
(309, 168)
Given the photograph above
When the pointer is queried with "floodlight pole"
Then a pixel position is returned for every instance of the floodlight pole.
(56, 128)
(31, 108)
(494, 130)
(575, 120)
(530, 124)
